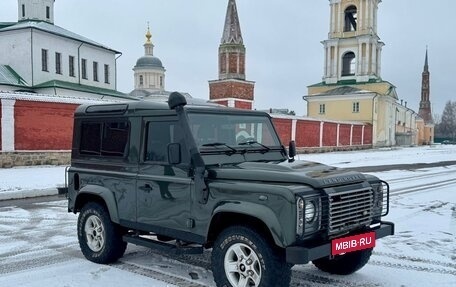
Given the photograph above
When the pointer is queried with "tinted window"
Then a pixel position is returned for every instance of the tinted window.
(104, 139)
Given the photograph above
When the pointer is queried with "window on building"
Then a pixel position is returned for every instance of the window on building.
(356, 107)
(48, 12)
(95, 71)
(23, 10)
(351, 15)
(161, 81)
(58, 63)
(84, 68)
(322, 109)
(71, 66)
(141, 80)
(44, 60)
(348, 64)
(104, 138)
(106, 74)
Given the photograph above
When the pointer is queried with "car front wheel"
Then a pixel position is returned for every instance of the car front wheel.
(243, 257)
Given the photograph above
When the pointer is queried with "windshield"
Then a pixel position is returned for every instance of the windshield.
(233, 131)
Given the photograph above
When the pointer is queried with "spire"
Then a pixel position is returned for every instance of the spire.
(148, 46)
(426, 66)
(232, 30)
(425, 103)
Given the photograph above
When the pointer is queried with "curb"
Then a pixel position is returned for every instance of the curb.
(8, 195)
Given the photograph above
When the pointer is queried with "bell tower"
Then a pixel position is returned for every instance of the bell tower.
(353, 49)
(232, 89)
(36, 10)
(425, 103)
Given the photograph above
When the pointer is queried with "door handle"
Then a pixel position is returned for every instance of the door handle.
(146, 188)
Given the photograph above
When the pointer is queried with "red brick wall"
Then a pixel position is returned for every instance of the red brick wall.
(307, 133)
(242, 63)
(368, 134)
(43, 126)
(344, 134)
(233, 63)
(231, 89)
(357, 135)
(243, 105)
(330, 134)
(222, 63)
(283, 128)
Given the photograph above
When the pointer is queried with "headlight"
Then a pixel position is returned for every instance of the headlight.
(380, 198)
(310, 211)
(307, 215)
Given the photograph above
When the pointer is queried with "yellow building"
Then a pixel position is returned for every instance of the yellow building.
(352, 88)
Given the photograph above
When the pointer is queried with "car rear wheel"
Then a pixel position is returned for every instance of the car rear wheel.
(99, 238)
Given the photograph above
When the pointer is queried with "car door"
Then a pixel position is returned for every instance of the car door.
(163, 190)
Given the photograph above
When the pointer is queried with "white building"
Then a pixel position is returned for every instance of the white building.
(44, 58)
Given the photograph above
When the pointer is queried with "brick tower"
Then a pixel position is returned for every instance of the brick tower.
(425, 104)
(232, 89)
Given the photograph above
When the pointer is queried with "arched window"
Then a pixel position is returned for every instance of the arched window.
(141, 81)
(348, 64)
(351, 19)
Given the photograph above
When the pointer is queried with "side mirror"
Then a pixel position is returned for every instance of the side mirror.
(291, 151)
(174, 153)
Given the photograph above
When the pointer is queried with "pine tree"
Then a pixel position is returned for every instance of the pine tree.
(447, 125)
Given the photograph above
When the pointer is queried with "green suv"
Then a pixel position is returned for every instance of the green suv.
(191, 177)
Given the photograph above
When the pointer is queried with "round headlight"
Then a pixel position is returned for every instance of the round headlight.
(310, 211)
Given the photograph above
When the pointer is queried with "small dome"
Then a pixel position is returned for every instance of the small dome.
(149, 61)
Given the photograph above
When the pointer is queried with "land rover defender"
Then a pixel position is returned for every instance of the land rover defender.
(186, 178)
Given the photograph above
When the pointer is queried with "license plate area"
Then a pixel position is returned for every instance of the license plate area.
(352, 243)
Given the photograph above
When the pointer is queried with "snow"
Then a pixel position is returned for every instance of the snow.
(386, 156)
(39, 245)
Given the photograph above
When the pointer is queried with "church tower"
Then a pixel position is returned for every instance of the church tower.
(353, 49)
(41, 10)
(232, 89)
(149, 72)
(425, 104)
(352, 88)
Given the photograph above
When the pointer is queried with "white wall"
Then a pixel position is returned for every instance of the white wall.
(15, 50)
(67, 47)
(18, 44)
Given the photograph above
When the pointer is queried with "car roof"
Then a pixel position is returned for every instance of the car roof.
(144, 107)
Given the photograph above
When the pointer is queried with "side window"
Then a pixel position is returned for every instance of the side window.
(159, 135)
(104, 138)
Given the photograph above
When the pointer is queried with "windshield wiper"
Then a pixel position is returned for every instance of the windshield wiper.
(216, 144)
(250, 142)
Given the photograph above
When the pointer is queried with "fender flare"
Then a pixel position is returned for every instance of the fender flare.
(106, 195)
(260, 212)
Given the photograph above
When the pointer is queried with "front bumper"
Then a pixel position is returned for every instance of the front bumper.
(302, 255)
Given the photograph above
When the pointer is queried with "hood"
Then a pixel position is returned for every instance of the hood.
(313, 174)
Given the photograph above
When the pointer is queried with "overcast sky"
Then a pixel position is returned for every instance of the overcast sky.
(282, 38)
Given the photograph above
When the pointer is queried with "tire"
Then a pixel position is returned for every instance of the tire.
(254, 261)
(99, 238)
(344, 264)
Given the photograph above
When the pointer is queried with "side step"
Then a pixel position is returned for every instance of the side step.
(162, 246)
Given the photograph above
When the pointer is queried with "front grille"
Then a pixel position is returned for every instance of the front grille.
(349, 209)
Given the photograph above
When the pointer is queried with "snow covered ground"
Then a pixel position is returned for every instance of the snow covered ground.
(38, 244)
